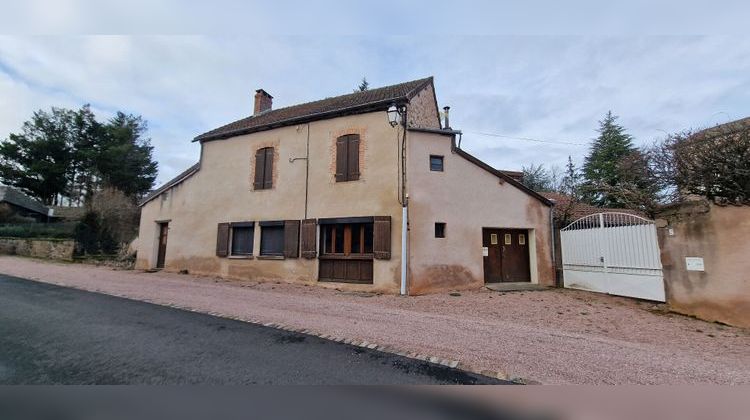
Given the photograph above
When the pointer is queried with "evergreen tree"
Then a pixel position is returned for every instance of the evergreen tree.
(601, 169)
(124, 161)
(571, 182)
(38, 161)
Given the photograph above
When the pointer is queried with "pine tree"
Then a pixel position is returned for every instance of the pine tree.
(571, 182)
(601, 169)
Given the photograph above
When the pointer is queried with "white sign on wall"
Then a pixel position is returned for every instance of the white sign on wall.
(694, 264)
(485, 251)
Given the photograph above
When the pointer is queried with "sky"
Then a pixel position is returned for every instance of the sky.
(509, 73)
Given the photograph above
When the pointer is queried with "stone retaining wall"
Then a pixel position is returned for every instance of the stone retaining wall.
(53, 249)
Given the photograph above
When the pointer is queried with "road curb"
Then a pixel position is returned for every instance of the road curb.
(449, 363)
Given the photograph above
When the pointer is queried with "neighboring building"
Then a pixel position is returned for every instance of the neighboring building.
(568, 210)
(315, 193)
(16, 206)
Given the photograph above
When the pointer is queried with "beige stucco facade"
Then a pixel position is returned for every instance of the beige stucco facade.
(221, 190)
(467, 198)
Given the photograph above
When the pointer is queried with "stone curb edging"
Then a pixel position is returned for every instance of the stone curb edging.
(452, 364)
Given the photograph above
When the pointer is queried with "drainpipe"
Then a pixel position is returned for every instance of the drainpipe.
(404, 211)
(552, 239)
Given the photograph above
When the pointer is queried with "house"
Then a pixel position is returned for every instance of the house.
(16, 206)
(367, 191)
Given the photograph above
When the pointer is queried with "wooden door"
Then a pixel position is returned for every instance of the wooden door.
(162, 252)
(507, 255)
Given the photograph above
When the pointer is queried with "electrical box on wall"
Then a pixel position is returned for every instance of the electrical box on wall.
(694, 264)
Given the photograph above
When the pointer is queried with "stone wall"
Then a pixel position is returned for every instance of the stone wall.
(53, 249)
(720, 290)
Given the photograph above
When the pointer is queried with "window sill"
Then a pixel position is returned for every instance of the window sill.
(270, 257)
(240, 257)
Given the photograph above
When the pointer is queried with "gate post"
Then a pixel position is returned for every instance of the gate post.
(601, 242)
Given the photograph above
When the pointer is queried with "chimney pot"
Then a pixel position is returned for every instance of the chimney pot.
(447, 125)
(263, 102)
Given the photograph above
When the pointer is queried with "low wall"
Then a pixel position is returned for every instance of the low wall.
(54, 249)
(720, 290)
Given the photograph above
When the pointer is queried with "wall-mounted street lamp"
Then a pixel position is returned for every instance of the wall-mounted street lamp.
(395, 115)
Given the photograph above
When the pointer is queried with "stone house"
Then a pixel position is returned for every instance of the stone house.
(367, 191)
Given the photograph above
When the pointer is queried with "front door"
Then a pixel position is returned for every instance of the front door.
(162, 253)
(507, 255)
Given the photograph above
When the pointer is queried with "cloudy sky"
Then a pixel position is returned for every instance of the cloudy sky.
(188, 69)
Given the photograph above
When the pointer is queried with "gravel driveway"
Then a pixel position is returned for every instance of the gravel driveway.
(557, 336)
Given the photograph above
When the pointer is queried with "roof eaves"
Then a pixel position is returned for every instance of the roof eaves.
(357, 109)
(171, 183)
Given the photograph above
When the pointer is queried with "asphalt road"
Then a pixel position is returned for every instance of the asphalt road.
(56, 335)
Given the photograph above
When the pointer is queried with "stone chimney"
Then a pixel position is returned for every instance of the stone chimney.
(263, 102)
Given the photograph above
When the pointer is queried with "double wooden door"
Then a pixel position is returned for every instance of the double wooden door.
(506, 255)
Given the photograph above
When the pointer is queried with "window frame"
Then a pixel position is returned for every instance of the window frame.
(346, 174)
(276, 225)
(442, 163)
(440, 228)
(347, 230)
(241, 225)
(266, 179)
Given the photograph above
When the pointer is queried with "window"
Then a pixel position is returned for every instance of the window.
(508, 239)
(347, 239)
(440, 230)
(347, 158)
(436, 163)
(263, 169)
(272, 239)
(521, 239)
(242, 239)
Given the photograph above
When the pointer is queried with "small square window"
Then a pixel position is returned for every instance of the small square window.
(493, 239)
(521, 239)
(440, 230)
(436, 163)
(508, 239)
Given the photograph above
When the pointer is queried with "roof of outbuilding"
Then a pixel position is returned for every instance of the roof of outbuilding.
(579, 210)
(731, 127)
(187, 173)
(16, 197)
(352, 103)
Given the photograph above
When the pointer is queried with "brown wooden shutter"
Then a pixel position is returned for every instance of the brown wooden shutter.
(353, 158)
(309, 238)
(341, 158)
(268, 171)
(381, 247)
(291, 238)
(260, 164)
(222, 240)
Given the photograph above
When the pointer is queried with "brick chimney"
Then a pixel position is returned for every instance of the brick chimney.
(263, 101)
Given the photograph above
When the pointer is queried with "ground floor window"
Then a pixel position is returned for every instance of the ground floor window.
(346, 250)
(242, 239)
(272, 239)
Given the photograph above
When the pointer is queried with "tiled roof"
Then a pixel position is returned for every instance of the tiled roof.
(580, 210)
(15, 197)
(352, 103)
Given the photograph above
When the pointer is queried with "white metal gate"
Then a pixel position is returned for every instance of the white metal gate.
(615, 253)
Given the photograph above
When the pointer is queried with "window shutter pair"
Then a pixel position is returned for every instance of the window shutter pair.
(381, 241)
(309, 238)
(263, 169)
(291, 238)
(347, 158)
(222, 240)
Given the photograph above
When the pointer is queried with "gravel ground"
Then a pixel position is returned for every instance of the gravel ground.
(557, 336)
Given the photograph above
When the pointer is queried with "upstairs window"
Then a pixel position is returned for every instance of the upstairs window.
(347, 158)
(263, 169)
(436, 163)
